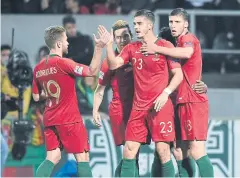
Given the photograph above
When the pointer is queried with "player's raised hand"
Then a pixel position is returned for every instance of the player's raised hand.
(111, 37)
(160, 101)
(199, 87)
(97, 119)
(148, 48)
(98, 42)
(104, 35)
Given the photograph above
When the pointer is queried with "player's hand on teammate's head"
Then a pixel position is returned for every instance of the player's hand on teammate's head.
(199, 87)
(160, 101)
(148, 48)
(97, 119)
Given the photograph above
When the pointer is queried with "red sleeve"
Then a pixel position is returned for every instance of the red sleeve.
(73, 68)
(187, 41)
(126, 54)
(35, 85)
(172, 62)
(104, 74)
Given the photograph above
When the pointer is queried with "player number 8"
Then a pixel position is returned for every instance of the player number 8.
(139, 63)
(188, 125)
(48, 92)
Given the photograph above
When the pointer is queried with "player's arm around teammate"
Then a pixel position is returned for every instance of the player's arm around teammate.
(176, 79)
(186, 165)
(137, 129)
(193, 107)
(177, 52)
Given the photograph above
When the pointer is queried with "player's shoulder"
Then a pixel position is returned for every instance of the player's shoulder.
(134, 44)
(63, 61)
(189, 36)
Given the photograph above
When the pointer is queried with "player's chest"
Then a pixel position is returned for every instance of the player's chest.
(148, 63)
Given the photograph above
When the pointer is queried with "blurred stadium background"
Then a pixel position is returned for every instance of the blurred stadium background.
(215, 22)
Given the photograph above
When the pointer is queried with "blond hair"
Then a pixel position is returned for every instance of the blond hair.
(121, 24)
(52, 35)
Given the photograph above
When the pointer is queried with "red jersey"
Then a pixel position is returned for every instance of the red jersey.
(150, 73)
(121, 81)
(56, 77)
(192, 70)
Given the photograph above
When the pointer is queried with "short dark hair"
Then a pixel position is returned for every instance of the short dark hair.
(165, 33)
(45, 49)
(68, 19)
(146, 13)
(5, 47)
(52, 35)
(180, 12)
(121, 24)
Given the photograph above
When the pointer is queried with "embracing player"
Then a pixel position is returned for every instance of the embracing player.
(186, 165)
(192, 107)
(152, 109)
(54, 80)
(121, 81)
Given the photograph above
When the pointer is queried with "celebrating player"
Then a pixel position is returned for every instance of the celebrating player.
(121, 81)
(186, 165)
(192, 107)
(54, 80)
(152, 109)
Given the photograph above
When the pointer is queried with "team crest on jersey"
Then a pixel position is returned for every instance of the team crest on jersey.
(156, 57)
(78, 70)
(189, 43)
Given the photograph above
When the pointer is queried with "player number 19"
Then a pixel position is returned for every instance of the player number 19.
(48, 92)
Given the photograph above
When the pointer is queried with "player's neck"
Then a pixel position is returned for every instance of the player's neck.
(55, 52)
(185, 31)
(149, 37)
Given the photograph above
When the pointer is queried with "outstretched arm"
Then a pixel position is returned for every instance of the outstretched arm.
(113, 61)
(98, 97)
(178, 52)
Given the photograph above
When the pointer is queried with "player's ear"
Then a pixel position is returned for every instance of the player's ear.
(150, 26)
(186, 24)
(58, 44)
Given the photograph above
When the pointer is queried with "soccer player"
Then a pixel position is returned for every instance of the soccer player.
(53, 80)
(186, 165)
(192, 107)
(121, 81)
(152, 109)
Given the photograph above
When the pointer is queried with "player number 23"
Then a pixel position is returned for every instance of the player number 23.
(48, 92)
(166, 127)
(138, 62)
